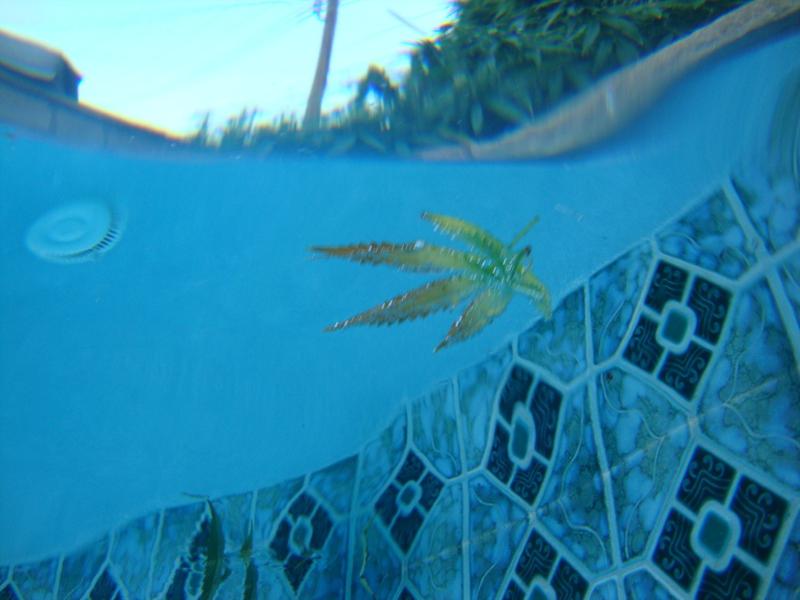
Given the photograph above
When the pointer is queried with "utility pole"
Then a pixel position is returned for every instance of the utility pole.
(314, 105)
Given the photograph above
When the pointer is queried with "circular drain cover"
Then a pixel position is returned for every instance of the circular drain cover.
(75, 232)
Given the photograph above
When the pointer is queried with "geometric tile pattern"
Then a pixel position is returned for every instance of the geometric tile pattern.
(644, 443)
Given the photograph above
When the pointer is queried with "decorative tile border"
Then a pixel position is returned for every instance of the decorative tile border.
(645, 442)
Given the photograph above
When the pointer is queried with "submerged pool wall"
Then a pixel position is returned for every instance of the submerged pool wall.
(643, 441)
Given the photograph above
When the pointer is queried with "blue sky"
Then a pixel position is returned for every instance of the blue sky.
(165, 62)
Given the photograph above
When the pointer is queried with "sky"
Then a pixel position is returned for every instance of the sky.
(165, 63)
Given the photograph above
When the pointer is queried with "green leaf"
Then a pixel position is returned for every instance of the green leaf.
(624, 26)
(602, 55)
(506, 109)
(626, 52)
(476, 118)
(590, 37)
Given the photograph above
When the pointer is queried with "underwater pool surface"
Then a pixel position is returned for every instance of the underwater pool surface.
(175, 423)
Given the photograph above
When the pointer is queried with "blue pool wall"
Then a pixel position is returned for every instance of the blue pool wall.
(190, 357)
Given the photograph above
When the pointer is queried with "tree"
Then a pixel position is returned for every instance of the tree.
(314, 105)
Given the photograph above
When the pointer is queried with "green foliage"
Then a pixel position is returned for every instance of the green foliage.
(499, 64)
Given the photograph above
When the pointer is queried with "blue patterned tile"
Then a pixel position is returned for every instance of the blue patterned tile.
(614, 294)
(710, 237)
(36, 581)
(644, 437)
(735, 582)
(673, 553)
(559, 345)
(684, 372)
(643, 350)
(790, 277)
(567, 582)
(710, 304)
(80, 568)
(477, 389)
(301, 538)
(405, 504)
(761, 513)
(178, 530)
(756, 368)
(707, 477)
(7, 592)
(329, 576)
(334, 484)
(379, 458)
(605, 591)
(433, 419)
(497, 525)
(668, 283)
(642, 584)
(573, 507)
(536, 559)
(786, 580)
(105, 587)
(513, 591)
(434, 566)
(234, 512)
(132, 553)
(515, 391)
(270, 503)
(3, 574)
(376, 564)
(774, 209)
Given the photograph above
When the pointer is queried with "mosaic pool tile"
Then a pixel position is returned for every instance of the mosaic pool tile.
(526, 422)
(477, 388)
(614, 294)
(568, 582)
(300, 537)
(379, 458)
(605, 591)
(736, 582)
(707, 477)
(790, 277)
(36, 581)
(559, 344)
(710, 304)
(334, 484)
(434, 566)
(105, 588)
(537, 558)
(376, 563)
(133, 547)
(4, 573)
(668, 283)
(756, 369)
(644, 437)
(79, 569)
(234, 511)
(329, 576)
(7, 592)
(433, 420)
(405, 504)
(684, 372)
(710, 237)
(787, 576)
(497, 525)
(773, 207)
(513, 591)
(761, 513)
(573, 506)
(643, 350)
(179, 527)
(642, 584)
(673, 553)
(270, 502)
